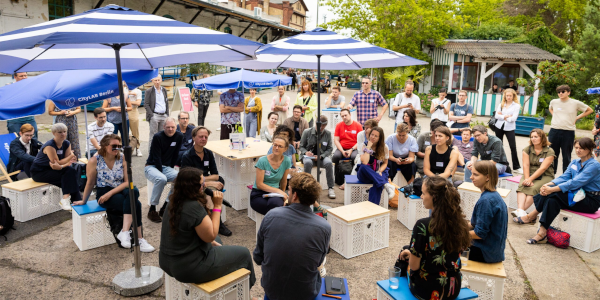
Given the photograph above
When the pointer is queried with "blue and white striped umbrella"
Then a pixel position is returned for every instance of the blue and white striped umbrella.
(337, 53)
(83, 42)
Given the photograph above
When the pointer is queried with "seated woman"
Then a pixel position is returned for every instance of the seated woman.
(410, 119)
(287, 133)
(267, 132)
(106, 171)
(373, 168)
(190, 249)
(360, 137)
(488, 226)
(271, 177)
(53, 165)
(402, 149)
(537, 171)
(441, 159)
(582, 173)
(433, 242)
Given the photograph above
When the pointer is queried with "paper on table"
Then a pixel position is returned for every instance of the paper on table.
(269, 195)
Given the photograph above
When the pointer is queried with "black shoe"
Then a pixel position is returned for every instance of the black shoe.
(161, 212)
(224, 230)
(154, 217)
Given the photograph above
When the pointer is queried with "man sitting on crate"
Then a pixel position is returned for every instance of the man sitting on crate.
(308, 151)
(23, 151)
(204, 159)
(489, 148)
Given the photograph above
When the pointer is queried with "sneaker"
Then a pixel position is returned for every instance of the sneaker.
(139, 153)
(154, 217)
(65, 204)
(223, 230)
(391, 190)
(145, 247)
(331, 193)
(125, 239)
(518, 171)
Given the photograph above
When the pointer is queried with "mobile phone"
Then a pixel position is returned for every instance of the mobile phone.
(336, 284)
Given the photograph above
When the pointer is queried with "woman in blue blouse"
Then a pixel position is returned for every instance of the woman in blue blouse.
(488, 226)
(582, 173)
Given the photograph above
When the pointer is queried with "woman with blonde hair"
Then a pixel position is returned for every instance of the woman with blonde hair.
(308, 100)
(506, 117)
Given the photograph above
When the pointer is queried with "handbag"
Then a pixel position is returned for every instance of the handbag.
(559, 239)
(492, 121)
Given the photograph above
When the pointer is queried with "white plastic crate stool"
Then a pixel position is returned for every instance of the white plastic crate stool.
(356, 191)
(583, 228)
(165, 192)
(258, 218)
(233, 286)
(410, 210)
(90, 227)
(30, 199)
(487, 280)
(359, 228)
(512, 184)
(251, 212)
(237, 194)
(469, 194)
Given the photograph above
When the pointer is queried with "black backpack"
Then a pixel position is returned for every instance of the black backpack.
(343, 168)
(7, 221)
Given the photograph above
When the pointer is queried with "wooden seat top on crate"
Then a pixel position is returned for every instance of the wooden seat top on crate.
(24, 185)
(89, 208)
(469, 186)
(494, 269)
(254, 149)
(211, 286)
(357, 211)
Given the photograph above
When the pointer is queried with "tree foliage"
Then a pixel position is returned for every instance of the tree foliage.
(487, 31)
(542, 38)
(478, 12)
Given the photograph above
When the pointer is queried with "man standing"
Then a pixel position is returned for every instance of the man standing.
(296, 123)
(460, 113)
(335, 100)
(14, 125)
(489, 148)
(308, 150)
(23, 151)
(562, 128)
(406, 100)
(231, 104)
(186, 129)
(159, 166)
(97, 130)
(366, 102)
(202, 101)
(157, 107)
(280, 104)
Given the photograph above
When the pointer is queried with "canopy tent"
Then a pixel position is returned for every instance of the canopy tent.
(242, 78)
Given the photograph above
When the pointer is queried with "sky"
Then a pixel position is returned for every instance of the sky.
(312, 13)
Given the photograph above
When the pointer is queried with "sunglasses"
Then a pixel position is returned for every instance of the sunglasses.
(364, 82)
(116, 147)
(562, 92)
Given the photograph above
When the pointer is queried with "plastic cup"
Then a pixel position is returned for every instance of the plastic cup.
(394, 278)
(145, 274)
(464, 257)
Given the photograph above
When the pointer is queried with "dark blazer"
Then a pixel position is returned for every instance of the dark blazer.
(150, 102)
(18, 153)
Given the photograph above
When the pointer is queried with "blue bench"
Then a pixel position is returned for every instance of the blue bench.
(403, 293)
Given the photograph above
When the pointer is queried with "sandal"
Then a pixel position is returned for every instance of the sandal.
(534, 241)
(520, 221)
(342, 186)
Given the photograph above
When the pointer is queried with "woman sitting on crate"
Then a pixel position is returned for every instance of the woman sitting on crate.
(434, 250)
(441, 159)
(374, 154)
(271, 178)
(53, 165)
(578, 189)
(190, 248)
(288, 134)
(489, 222)
(106, 171)
(537, 171)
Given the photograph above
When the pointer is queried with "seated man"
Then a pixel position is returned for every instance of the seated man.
(292, 243)
(97, 130)
(185, 128)
(464, 146)
(201, 158)
(297, 124)
(159, 166)
(308, 149)
(23, 151)
(489, 148)
(345, 138)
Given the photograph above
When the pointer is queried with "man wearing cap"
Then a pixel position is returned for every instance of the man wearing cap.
(308, 152)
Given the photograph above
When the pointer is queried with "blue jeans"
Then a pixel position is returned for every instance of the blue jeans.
(159, 180)
(13, 126)
(119, 128)
(366, 174)
(501, 169)
(251, 125)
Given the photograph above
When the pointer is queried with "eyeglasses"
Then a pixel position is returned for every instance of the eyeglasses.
(562, 92)
(364, 82)
(277, 146)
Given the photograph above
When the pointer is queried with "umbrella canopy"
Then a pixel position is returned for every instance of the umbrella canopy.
(595, 90)
(337, 53)
(84, 41)
(245, 78)
(67, 89)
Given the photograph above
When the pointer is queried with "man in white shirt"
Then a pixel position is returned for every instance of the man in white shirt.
(405, 101)
(157, 107)
(97, 130)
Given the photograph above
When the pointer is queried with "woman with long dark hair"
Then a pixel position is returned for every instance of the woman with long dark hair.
(374, 154)
(190, 249)
(441, 159)
(435, 247)
(410, 119)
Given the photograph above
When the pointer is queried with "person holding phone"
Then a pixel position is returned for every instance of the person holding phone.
(406, 100)
(402, 149)
(440, 108)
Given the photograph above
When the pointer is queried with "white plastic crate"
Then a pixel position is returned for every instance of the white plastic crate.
(359, 228)
(90, 226)
(234, 286)
(163, 196)
(486, 280)
(237, 194)
(333, 117)
(400, 181)
(410, 210)
(356, 192)
(30, 199)
(470, 194)
(258, 218)
(251, 212)
(240, 170)
(584, 231)
(323, 177)
(512, 184)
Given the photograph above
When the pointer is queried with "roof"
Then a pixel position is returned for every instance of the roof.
(291, 2)
(499, 50)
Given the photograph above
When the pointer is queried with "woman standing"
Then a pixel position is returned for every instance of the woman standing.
(506, 117)
(135, 98)
(253, 117)
(112, 106)
(441, 159)
(306, 98)
(267, 132)
(373, 164)
(537, 171)
(440, 108)
(434, 251)
(69, 118)
(410, 119)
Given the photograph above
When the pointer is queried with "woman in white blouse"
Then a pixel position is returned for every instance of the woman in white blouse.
(506, 117)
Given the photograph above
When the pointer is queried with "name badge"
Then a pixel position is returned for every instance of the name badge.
(298, 129)
(488, 152)
(468, 146)
(462, 113)
(541, 159)
(427, 143)
(324, 143)
(559, 108)
(190, 141)
(439, 164)
(372, 101)
(267, 173)
(236, 98)
(206, 163)
(59, 152)
(353, 131)
(173, 144)
(574, 167)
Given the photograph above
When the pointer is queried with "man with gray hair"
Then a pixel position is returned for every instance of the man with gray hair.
(157, 107)
(406, 100)
(164, 149)
(308, 152)
(486, 148)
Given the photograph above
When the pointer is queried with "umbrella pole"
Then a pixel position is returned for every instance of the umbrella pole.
(318, 116)
(87, 137)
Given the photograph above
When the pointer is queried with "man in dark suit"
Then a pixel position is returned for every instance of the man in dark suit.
(23, 151)
(157, 107)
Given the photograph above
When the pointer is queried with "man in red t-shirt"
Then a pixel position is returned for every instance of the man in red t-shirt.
(345, 138)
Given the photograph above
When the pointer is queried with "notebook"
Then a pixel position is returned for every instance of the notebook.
(329, 282)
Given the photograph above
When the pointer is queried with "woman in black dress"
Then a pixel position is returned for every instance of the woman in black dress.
(436, 243)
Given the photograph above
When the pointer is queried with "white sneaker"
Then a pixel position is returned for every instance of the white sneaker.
(139, 153)
(65, 204)
(391, 190)
(144, 246)
(518, 171)
(331, 193)
(125, 238)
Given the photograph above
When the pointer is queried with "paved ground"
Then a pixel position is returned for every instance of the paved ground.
(40, 259)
